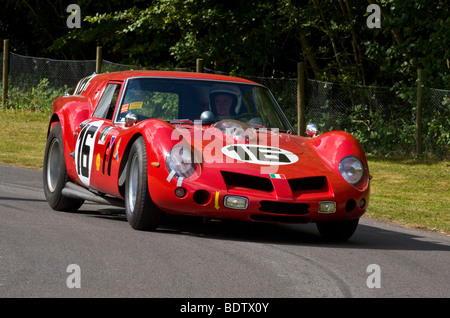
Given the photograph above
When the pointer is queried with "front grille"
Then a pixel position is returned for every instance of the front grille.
(233, 180)
(284, 208)
(309, 184)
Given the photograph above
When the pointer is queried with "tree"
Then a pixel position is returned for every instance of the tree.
(252, 37)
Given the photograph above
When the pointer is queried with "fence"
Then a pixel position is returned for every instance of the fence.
(383, 119)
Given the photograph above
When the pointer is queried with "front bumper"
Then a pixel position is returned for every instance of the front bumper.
(263, 199)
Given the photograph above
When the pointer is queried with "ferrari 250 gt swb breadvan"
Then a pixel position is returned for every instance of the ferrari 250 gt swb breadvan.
(206, 145)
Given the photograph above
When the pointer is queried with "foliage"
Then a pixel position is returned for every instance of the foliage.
(268, 38)
(436, 136)
(39, 98)
(260, 38)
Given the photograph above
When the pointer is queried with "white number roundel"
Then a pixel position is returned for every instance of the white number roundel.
(258, 154)
(84, 150)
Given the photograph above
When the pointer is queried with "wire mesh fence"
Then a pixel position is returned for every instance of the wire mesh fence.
(381, 118)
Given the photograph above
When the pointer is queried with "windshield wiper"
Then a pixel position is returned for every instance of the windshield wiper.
(181, 121)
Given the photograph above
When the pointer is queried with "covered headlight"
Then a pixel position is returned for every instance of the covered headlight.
(351, 169)
(180, 160)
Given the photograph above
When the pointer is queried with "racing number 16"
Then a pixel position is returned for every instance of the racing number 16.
(84, 150)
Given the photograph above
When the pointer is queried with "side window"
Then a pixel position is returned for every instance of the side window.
(106, 105)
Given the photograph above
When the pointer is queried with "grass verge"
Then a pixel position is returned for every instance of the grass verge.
(22, 138)
(413, 193)
(409, 192)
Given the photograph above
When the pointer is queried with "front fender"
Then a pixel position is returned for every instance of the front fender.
(333, 146)
(160, 138)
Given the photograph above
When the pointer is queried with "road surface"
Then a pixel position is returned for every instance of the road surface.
(95, 253)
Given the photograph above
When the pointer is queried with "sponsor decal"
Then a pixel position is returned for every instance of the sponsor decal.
(97, 162)
(135, 105)
(124, 108)
(113, 138)
(116, 153)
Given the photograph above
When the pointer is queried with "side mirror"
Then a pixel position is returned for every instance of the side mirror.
(311, 130)
(131, 119)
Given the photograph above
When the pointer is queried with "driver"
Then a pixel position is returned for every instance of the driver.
(225, 102)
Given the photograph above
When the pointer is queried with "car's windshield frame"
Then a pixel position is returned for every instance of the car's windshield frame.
(286, 126)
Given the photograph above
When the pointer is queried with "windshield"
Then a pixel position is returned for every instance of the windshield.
(209, 101)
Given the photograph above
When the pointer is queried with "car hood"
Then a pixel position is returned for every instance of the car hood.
(258, 152)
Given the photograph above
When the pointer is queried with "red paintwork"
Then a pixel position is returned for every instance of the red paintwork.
(318, 156)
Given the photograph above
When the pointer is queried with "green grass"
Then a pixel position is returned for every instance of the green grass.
(409, 192)
(22, 138)
(414, 193)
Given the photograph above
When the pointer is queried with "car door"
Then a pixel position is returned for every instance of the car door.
(96, 141)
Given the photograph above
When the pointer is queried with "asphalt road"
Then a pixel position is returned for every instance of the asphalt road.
(43, 253)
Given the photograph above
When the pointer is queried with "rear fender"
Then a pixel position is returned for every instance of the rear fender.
(69, 111)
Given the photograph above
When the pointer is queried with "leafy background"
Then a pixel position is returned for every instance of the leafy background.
(261, 38)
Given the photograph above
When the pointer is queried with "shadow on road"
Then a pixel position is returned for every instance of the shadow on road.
(365, 237)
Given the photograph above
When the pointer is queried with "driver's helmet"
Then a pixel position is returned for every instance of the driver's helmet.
(230, 90)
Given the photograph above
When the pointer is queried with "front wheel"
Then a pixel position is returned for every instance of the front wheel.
(55, 174)
(338, 230)
(141, 212)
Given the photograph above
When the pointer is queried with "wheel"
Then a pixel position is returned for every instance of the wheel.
(55, 174)
(141, 212)
(338, 230)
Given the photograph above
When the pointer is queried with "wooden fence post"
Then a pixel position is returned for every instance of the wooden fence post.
(419, 105)
(301, 100)
(199, 66)
(5, 73)
(98, 60)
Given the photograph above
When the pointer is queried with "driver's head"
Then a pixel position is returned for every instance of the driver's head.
(225, 100)
(223, 103)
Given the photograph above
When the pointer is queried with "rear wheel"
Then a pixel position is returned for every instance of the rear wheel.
(338, 230)
(55, 174)
(142, 213)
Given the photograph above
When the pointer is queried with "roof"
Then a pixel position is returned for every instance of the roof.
(122, 75)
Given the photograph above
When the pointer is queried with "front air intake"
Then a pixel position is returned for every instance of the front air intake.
(239, 180)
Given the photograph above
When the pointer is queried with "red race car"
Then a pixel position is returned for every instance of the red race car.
(198, 144)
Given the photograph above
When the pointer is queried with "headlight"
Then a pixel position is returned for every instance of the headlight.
(352, 169)
(180, 159)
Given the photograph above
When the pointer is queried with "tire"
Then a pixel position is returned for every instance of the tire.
(55, 174)
(141, 212)
(338, 230)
